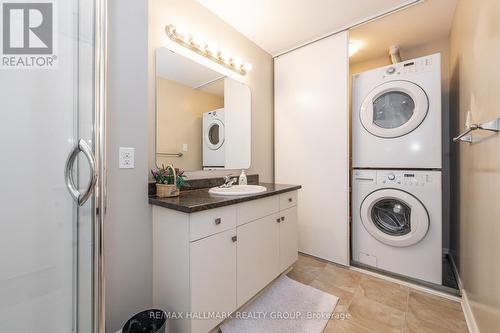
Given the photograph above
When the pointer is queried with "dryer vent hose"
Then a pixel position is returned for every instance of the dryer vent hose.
(394, 53)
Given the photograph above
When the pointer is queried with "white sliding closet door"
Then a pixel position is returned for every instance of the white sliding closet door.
(312, 142)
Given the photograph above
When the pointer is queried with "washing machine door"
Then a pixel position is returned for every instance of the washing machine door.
(214, 134)
(394, 217)
(394, 109)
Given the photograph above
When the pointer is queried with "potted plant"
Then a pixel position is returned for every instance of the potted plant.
(168, 181)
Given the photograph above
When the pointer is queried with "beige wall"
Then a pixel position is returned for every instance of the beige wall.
(475, 87)
(180, 112)
(431, 47)
(127, 226)
(198, 19)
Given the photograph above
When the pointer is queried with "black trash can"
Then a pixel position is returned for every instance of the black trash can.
(149, 321)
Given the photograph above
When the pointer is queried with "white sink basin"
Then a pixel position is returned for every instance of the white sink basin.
(237, 190)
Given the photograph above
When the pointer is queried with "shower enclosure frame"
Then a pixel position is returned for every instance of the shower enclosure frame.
(99, 199)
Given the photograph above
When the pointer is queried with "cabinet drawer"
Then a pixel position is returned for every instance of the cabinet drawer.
(288, 200)
(256, 209)
(212, 221)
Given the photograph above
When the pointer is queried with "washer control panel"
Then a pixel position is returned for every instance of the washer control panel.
(405, 178)
(396, 178)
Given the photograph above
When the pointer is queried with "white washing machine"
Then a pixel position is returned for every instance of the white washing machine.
(214, 150)
(396, 222)
(396, 115)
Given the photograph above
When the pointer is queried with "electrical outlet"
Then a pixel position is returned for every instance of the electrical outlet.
(127, 158)
(185, 147)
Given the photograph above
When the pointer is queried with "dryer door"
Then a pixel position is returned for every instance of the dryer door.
(394, 109)
(394, 217)
(214, 134)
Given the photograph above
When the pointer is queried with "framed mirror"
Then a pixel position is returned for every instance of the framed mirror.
(203, 118)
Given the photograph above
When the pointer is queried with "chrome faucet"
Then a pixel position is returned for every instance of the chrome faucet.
(228, 181)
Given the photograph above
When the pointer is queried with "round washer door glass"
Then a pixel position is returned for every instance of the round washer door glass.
(394, 109)
(394, 217)
(391, 216)
(215, 134)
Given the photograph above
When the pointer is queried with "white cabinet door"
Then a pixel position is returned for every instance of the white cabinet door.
(258, 256)
(213, 277)
(312, 142)
(289, 242)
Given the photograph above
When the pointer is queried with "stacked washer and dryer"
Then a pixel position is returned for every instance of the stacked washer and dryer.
(396, 159)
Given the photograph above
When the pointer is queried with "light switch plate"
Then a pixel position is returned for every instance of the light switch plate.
(127, 158)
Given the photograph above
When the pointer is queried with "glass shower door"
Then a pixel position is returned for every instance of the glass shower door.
(47, 114)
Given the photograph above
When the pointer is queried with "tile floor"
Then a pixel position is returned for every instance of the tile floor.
(373, 305)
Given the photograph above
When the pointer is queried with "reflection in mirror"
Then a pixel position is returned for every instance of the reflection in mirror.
(203, 119)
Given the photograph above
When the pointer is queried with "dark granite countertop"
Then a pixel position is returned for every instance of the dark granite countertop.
(199, 200)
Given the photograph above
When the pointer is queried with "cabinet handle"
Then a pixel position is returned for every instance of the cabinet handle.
(282, 218)
(290, 199)
(218, 221)
(234, 238)
(278, 220)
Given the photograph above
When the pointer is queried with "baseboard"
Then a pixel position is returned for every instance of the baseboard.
(469, 316)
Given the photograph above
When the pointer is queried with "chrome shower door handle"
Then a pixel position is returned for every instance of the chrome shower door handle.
(83, 147)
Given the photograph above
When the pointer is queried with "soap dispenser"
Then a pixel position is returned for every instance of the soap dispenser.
(243, 178)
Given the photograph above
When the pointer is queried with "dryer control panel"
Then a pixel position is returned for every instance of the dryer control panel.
(414, 66)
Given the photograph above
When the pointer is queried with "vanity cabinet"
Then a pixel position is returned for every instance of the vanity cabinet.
(216, 260)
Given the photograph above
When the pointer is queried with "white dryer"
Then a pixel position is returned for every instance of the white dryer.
(396, 222)
(214, 150)
(396, 115)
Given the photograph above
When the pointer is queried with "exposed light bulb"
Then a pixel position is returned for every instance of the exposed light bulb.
(213, 49)
(247, 67)
(199, 41)
(225, 56)
(236, 62)
(188, 38)
(180, 31)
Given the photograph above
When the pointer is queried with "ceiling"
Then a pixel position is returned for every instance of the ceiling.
(215, 88)
(279, 25)
(428, 21)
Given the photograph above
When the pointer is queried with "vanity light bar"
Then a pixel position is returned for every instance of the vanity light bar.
(211, 51)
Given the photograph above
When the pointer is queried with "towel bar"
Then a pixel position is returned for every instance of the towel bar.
(170, 154)
(493, 126)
